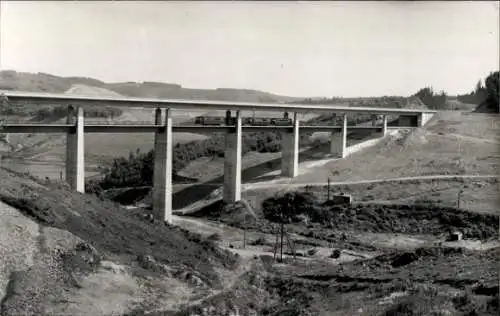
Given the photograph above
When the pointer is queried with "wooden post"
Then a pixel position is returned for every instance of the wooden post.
(328, 189)
(281, 242)
(458, 197)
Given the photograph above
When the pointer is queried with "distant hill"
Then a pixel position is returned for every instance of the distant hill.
(83, 89)
(42, 82)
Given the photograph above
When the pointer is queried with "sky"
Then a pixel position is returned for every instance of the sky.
(301, 49)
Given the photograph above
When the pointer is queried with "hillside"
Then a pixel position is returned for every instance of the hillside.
(41, 82)
(65, 253)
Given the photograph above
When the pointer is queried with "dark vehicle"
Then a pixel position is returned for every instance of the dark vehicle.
(210, 120)
(253, 121)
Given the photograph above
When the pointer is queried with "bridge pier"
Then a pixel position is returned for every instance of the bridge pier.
(338, 143)
(162, 177)
(75, 150)
(384, 125)
(290, 150)
(383, 132)
(232, 162)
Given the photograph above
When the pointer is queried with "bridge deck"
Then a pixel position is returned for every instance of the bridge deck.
(67, 99)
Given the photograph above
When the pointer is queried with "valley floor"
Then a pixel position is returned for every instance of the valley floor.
(388, 254)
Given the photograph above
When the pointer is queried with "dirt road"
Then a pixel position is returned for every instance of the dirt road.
(273, 184)
(251, 186)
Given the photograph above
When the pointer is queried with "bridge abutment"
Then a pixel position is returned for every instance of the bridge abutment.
(162, 177)
(232, 162)
(423, 118)
(338, 143)
(290, 150)
(75, 150)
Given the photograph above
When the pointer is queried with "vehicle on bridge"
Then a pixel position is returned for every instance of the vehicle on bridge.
(253, 121)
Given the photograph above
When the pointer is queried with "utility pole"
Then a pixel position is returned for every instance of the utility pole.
(328, 193)
(281, 242)
(458, 197)
(244, 237)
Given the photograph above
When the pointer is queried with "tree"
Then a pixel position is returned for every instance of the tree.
(433, 101)
(479, 86)
(491, 87)
(288, 207)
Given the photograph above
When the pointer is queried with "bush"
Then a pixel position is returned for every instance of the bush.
(261, 241)
(335, 254)
(312, 251)
(288, 207)
(432, 100)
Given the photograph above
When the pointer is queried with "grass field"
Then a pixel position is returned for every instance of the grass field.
(451, 143)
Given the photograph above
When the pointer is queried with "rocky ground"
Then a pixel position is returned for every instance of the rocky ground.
(376, 260)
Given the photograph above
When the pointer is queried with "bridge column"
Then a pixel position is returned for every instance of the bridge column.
(75, 166)
(338, 143)
(290, 150)
(232, 163)
(383, 132)
(162, 176)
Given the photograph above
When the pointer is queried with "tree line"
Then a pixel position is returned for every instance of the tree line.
(137, 168)
(484, 94)
(434, 101)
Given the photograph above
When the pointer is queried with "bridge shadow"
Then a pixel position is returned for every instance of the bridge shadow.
(259, 172)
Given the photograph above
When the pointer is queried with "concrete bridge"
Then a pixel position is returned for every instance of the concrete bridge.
(75, 128)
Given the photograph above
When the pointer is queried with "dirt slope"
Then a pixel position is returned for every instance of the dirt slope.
(67, 253)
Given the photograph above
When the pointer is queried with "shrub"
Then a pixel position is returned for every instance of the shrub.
(261, 241)
(312, 251)
(288, 207)
(335, 254)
